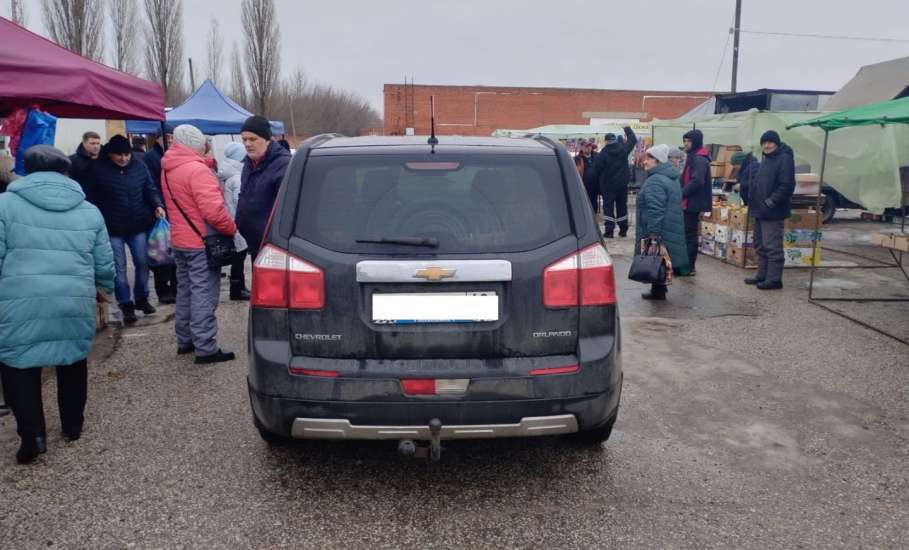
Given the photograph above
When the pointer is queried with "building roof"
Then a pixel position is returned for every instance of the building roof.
(872, 84)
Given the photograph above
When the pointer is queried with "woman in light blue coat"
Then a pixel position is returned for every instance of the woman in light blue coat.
(54, 254)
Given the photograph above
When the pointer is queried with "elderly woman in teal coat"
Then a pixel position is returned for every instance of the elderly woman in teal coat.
(659, 215)
(54, 255)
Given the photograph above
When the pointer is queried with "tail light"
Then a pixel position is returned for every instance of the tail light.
(284, 281)
(570, 369)
(585, 278)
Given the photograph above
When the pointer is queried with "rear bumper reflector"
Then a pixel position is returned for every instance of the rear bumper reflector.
(319, 428)
(571, 369)
(312, 372)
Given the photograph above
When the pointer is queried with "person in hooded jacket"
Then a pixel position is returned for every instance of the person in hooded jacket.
(748, 169)
(127, 197)
(229, 173)
(770, 203)
(54, 255)
(263, 171)
(613, 172)
(196, 202)
(697, 191)
(659, 213)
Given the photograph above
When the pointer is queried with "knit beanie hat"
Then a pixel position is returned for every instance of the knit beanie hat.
(44, 158)
(235, 151)
(738, 157)
(659, 152)
(190, 136)
(118, 145)
(258, 125)
(771, 136)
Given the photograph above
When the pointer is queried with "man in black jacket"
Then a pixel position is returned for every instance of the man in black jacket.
(612, 170)
(697, 191)
(81, 162)
(770, 203)
(129, 202)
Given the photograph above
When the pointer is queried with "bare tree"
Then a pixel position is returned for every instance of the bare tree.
(263, 50)
(123, 19)
(164, 54)
(18, 14)
(215, 53)
(77, 25)
(239, 91)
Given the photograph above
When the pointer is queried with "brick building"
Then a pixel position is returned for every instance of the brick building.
(480, 110)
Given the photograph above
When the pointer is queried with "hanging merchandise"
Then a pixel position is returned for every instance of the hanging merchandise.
(12, 127)
(40, 129)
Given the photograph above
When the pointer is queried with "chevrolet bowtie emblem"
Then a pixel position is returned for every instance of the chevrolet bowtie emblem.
(434, 274)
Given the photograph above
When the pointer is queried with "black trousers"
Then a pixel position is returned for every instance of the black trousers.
(593, 193)
(23, 393)
(237, 266)
(692, 228)
(165, 280)
(615, 209)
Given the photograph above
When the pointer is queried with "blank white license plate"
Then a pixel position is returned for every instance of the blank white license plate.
(437, 307)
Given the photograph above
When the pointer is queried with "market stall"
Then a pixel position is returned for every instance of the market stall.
(878, 117)
(571, 134)
(208, 109)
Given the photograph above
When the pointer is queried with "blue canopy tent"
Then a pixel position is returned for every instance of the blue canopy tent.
(207, 109)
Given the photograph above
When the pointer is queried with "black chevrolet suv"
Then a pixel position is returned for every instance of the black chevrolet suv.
(463, 284)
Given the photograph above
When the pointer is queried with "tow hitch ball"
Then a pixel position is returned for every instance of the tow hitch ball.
(409, 448)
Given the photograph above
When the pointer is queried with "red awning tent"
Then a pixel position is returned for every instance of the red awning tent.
(36, 71)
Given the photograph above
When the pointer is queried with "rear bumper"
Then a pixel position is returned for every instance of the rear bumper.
(410, 420)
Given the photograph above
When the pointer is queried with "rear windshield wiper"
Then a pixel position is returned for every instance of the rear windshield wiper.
(429, 242)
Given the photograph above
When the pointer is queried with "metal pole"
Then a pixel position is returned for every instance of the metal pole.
(817, 211)
(735, 45)
(293, 122)
(192, 77)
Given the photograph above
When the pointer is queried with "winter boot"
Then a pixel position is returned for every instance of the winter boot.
(30, 449)
(145, 307)
(218, 357)
(238, 291)
(129, 313)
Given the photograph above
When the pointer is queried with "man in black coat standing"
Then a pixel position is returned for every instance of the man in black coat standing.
(612, 170)
(81, 162)
(129, 202)
(770, 203)
(697, 191)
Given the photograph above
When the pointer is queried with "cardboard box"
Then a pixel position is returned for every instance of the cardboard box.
(101, 314)
(720, 250)
(801, 257)
(724, 154)
(882, 239)
(801, 238)
(807, 184)
(732, 171)
(717, 169)
(707, 216)
(901, 242)
(741, 238)
(741, 257)
(708, 230)
(720, 213)
(802, 219)
(708, 247)
(721, 233)
(738, 219)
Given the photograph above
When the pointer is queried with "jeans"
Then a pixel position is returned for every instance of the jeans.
(768, 243)
(23, 387)
(692, 228)
(198, 293)
(138, 248)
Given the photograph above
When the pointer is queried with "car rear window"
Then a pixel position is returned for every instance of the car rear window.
(463, 204)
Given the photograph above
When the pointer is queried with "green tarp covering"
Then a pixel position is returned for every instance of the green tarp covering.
(886, 112)
(862, 162)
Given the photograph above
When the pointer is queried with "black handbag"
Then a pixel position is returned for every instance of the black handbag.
(648, 268)
(220, 250)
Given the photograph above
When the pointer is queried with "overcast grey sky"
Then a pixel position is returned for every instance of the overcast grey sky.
(644, 44)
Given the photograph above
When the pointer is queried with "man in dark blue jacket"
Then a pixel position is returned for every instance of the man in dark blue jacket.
(770, 203)
(697, 191)
(263, 170)
(612, 170)
(128, 200)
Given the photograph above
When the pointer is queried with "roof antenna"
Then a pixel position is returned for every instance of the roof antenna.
(433, 140)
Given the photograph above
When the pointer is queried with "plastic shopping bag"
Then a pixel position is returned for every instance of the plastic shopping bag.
(159, 249)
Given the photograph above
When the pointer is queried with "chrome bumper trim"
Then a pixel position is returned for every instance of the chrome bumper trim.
(318, 428)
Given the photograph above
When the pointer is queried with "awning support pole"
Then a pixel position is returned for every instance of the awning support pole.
(817, 220)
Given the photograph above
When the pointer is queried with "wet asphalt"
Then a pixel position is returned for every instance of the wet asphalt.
(748, 420)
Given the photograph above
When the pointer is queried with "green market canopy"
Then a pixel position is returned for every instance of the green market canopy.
(887, 112)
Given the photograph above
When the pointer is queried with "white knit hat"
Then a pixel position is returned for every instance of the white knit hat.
(659, 152)
(190, 136)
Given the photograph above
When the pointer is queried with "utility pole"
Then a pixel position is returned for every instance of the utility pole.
(192, 77)
(735, 45)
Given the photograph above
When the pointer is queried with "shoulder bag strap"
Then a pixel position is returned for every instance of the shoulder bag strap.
(173, 198)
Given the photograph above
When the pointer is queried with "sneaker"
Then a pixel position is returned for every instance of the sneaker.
(770, 285)
(218, 357)
(753, 281)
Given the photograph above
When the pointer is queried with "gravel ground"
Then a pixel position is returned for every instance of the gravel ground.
(749, 420)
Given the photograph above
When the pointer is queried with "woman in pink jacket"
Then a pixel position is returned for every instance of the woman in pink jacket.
(191, 190)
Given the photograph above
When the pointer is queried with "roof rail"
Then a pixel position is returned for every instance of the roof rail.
(317, 140)
(549, 142)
